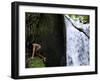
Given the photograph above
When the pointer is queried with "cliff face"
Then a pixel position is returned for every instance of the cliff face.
(48, 31)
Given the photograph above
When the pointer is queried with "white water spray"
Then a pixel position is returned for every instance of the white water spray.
(77, 43)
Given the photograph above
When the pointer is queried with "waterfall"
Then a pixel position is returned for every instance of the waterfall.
(77, 43)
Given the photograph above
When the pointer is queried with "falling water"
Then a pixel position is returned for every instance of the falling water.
(77, 43)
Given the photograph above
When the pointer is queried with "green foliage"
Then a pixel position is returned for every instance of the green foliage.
(35, 62)
(32, 21)
(82, 18)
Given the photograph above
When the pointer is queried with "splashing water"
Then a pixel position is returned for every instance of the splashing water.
(77, 43)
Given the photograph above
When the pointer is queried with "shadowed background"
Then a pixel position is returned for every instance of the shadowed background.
(48, 31)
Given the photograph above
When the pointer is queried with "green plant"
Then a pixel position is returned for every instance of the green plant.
(35, 62)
